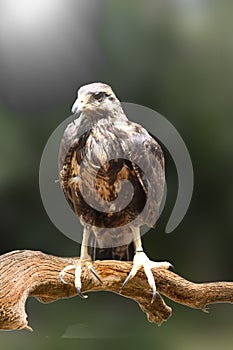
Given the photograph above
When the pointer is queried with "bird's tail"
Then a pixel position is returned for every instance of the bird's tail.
(124, 253)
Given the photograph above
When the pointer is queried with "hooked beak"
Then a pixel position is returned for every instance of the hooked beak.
(77, 106)
(80, 104)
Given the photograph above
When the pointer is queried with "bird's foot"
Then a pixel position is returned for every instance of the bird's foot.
(82, 263)
(142, 260)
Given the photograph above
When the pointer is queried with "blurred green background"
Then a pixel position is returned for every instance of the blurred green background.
(173, 56)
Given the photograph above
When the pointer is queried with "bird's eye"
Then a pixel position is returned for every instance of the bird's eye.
(99, 95)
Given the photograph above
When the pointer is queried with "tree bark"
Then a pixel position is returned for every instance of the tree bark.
(32, 273)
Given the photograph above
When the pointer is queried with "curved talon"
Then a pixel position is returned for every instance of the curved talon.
(150, 279)
(126, 280)
(62, 273)
(153, 286)
(142, 261)
(172, 267)
(81, 294)
(96, 274)
(78, 271)
(61, 278)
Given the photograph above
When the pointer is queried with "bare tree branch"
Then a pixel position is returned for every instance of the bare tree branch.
(32, 273)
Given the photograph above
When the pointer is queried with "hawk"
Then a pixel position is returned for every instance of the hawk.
(112, 175)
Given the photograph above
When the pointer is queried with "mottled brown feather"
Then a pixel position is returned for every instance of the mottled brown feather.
(86, 146)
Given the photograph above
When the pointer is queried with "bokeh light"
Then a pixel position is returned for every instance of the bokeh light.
(44, 46)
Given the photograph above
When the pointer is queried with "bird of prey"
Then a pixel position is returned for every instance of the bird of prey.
(112, 175)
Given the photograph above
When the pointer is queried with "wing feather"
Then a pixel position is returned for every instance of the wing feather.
(119, 150)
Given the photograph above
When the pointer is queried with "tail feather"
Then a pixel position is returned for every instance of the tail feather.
(124, 253)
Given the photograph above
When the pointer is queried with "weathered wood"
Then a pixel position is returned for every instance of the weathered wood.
(32, 273)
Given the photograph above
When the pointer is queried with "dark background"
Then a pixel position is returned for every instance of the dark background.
(175, 57)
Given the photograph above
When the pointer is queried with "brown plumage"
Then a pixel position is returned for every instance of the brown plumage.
(112, 174)
(95, 136)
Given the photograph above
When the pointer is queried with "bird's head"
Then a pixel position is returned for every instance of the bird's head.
(95, 97)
